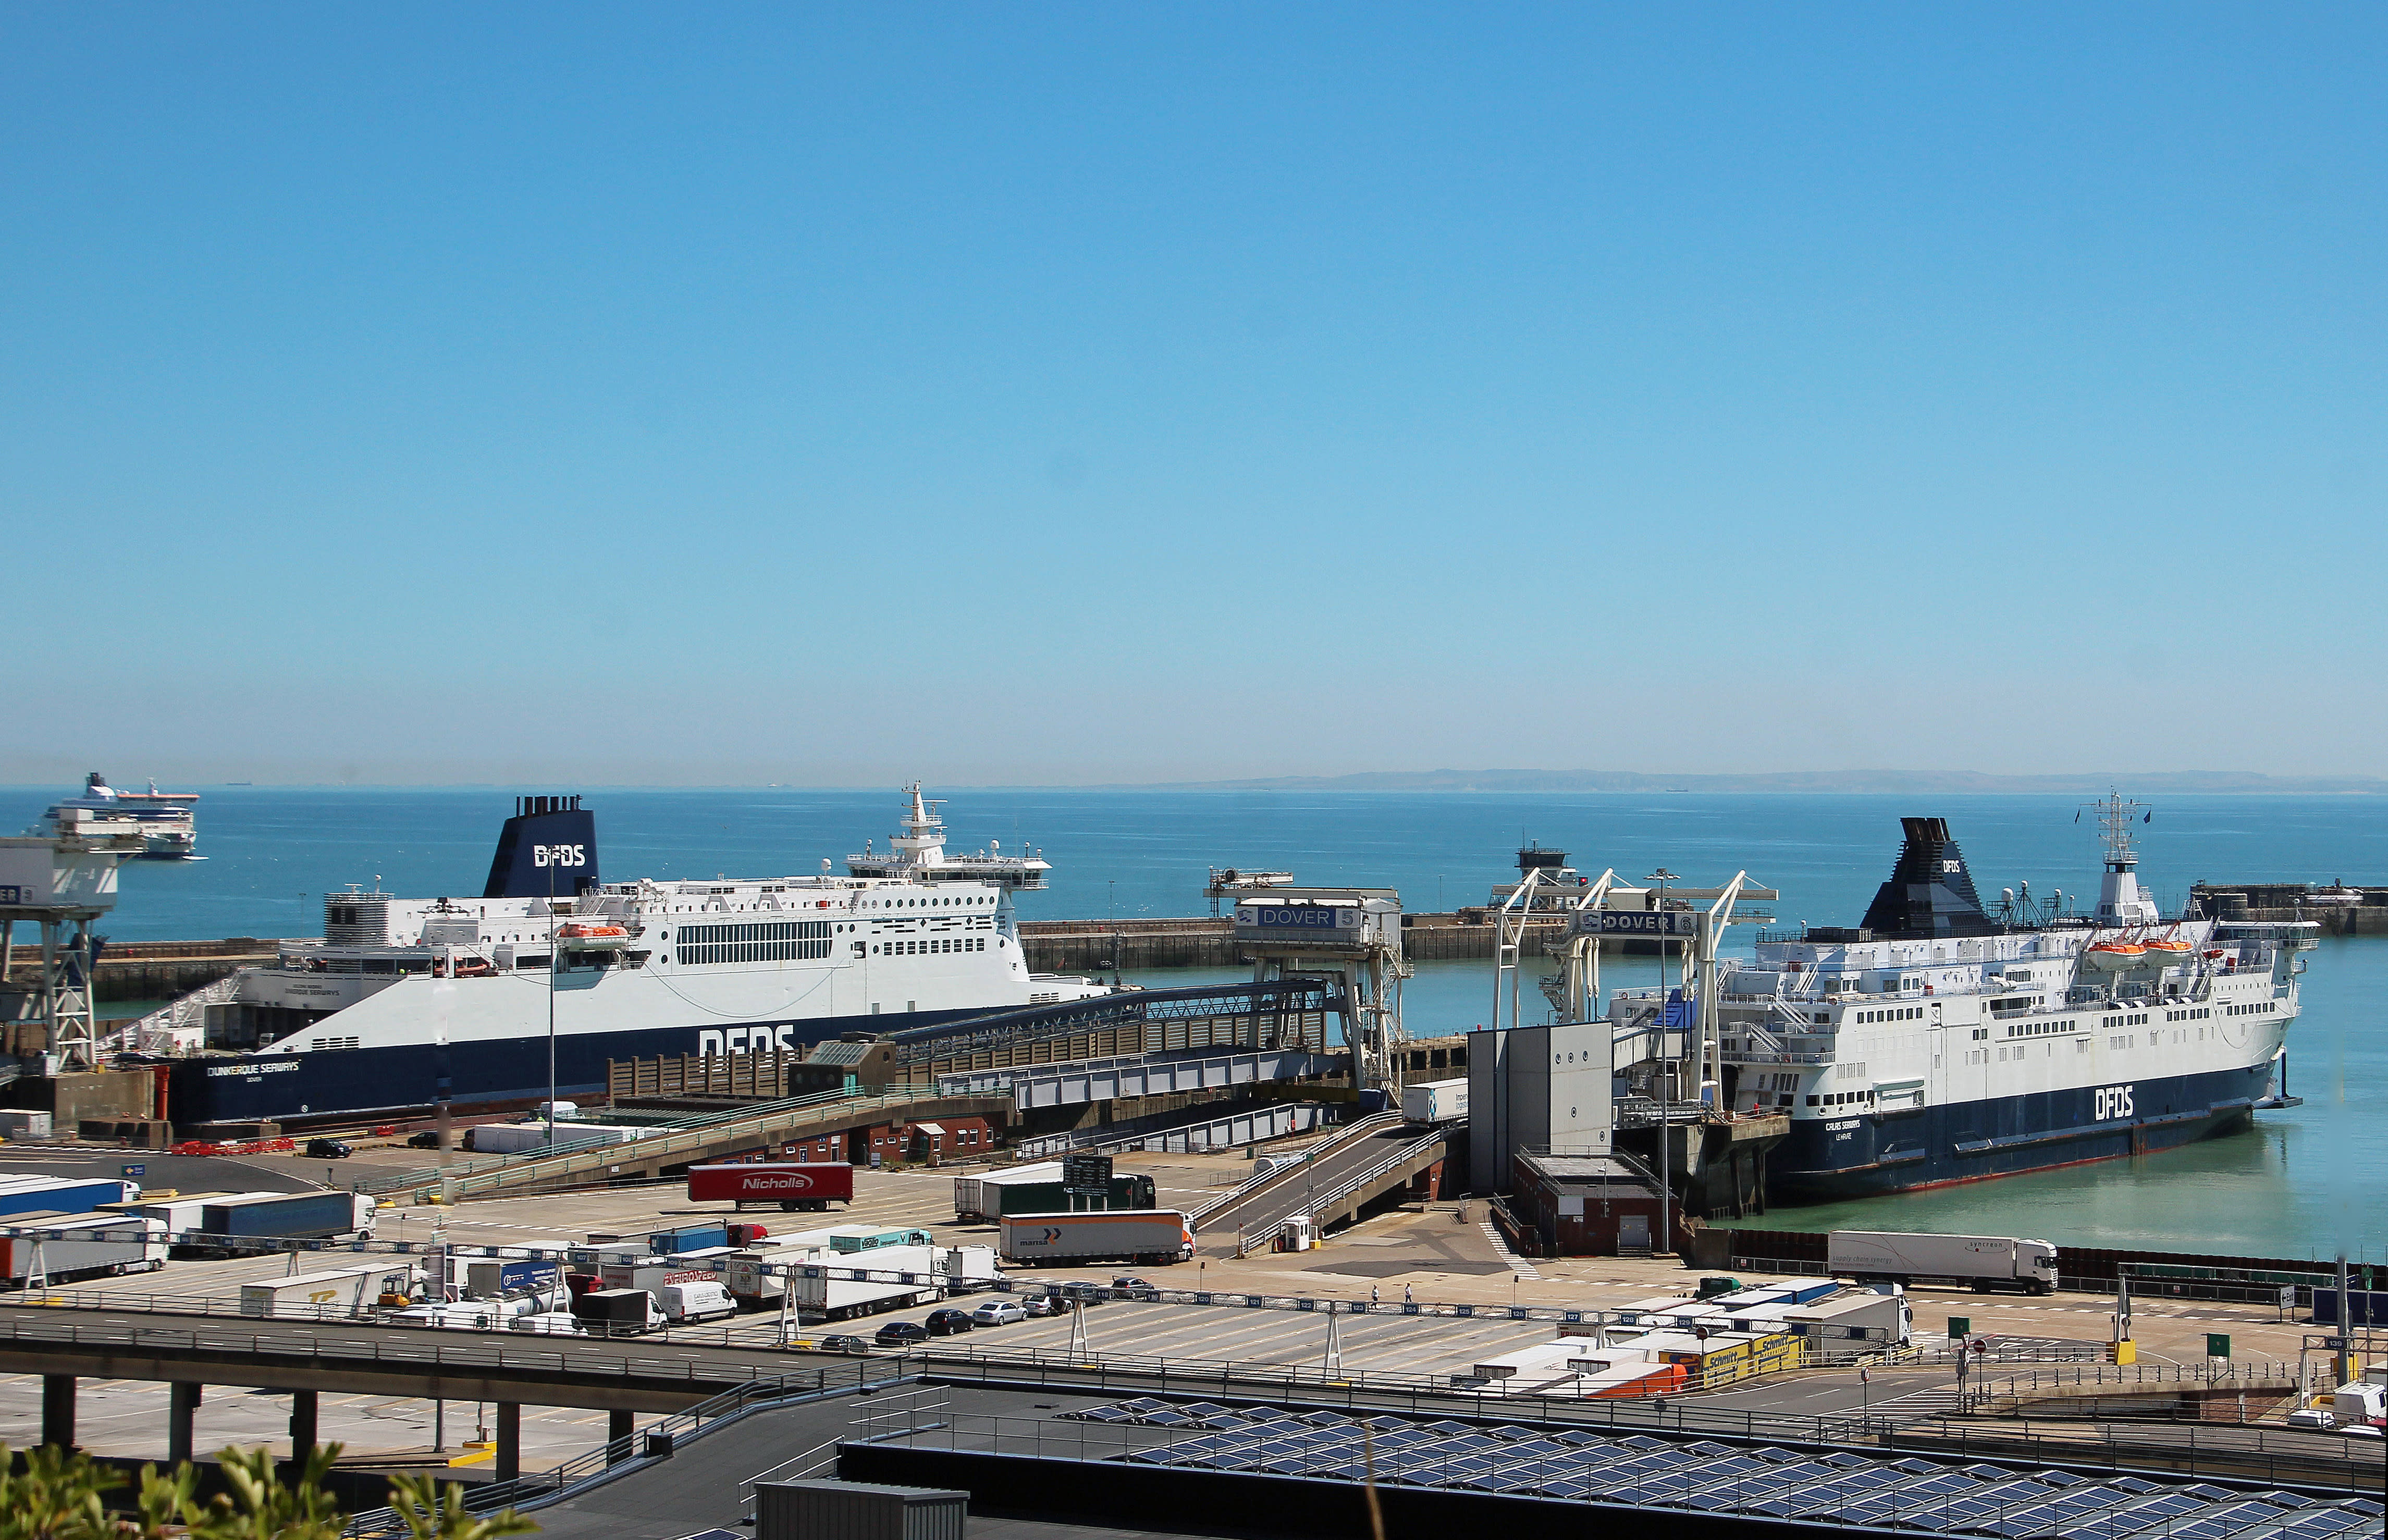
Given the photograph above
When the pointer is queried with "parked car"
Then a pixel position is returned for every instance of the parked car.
(998, 1312)
(327, 1150)
(855, 1346)
(1134, 1288)
(947, 1323)
(1088, 1294)
(2318, 1419)
(428, 1139)
(900, 1334)
(1035, 1305)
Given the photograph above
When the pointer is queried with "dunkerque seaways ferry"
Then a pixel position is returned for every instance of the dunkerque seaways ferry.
(406, 1001)
(1937, 1043)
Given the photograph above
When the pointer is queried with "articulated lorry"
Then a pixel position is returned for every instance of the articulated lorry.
(62, 1247)
(1147, 1237)
(1984, 1261)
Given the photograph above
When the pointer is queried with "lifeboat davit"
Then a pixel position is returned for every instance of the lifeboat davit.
(2113, 956)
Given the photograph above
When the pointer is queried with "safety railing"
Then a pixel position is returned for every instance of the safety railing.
(1364, 1128)
(621, 1456)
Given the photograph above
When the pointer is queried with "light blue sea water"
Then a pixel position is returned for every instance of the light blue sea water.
(2307, 1182)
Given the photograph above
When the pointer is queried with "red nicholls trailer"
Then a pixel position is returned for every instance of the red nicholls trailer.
(790, 1184)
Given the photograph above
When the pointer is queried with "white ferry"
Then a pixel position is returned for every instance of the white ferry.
(163, 821)
(1939, 1043)
(408, 1002)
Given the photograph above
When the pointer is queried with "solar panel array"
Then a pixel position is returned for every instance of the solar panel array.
(1882, 1492)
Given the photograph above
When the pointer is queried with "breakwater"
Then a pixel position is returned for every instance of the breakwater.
(1086, 946)
(2339, 910)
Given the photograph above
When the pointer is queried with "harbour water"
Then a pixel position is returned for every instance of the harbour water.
(2307, 1182)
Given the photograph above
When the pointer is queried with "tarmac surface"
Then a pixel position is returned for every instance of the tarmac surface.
(1441, 1253)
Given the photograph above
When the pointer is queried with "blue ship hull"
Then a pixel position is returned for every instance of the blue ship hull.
(1965, 1141)
(363, 1082)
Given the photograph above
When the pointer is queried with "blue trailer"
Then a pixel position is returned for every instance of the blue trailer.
(63, 1195)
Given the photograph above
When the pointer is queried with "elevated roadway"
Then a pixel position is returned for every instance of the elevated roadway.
(1330, 1184)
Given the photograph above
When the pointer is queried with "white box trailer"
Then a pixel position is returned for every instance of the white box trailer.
(1435, 1100)
(1985, 1262)
(62, 1247)
(838, 1298)
(514, 1138)
(355, 1291)
(1146, 1237)
(1853, 1322)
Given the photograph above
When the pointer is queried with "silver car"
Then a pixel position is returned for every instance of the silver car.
(998, 1312)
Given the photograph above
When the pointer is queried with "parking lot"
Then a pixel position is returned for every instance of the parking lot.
(1438, 1254)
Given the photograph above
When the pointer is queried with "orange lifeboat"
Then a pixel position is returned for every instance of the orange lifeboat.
(584, 937)
(2113, 956)
(2167, 954)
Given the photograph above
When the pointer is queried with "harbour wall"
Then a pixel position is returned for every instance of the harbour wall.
(2278, 902)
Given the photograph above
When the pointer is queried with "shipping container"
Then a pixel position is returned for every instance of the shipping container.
(1149, 1236)
(356, 1290)
(63, 1247)
(688, 1238)
(790, 1184)
(1435, 1100)
(1984, 1261)
(489, 1278)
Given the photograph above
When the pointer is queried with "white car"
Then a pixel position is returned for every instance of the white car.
(998, 1312)
(2318, 1419)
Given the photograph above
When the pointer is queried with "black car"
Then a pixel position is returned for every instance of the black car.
(327, 1150)
(1088, 1295)
(948, 1323)
(428, 1139)
(901, 1334)
(1134, 1288)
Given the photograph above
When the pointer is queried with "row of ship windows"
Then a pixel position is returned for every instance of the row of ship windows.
(934, 944)
(2253, 1008)
(1840, 1099)
(750, 951)
(2197, 1015)
(1909, 1013)
(798, 930)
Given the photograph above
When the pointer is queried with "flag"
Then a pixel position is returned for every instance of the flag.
(2151, 817)
(2077, 815)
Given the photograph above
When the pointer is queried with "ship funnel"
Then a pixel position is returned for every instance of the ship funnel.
(548, 848)
(1930, 891)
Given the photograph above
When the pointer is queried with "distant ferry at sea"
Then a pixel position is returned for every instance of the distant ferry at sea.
(1936, 1042)
(405, 1001)
(163, 821)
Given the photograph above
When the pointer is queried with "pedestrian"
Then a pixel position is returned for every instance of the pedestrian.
(1372, 1294)
(1406, 1298)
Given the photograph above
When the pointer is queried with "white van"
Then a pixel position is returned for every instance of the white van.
(685, 1304)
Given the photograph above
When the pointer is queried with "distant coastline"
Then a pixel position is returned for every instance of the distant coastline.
(1886, 781)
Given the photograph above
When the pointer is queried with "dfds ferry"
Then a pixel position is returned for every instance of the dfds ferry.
(407, 1002)
(1934, 1043)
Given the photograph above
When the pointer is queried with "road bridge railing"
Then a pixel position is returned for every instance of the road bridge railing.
(1366, 1128)
(621, 1458)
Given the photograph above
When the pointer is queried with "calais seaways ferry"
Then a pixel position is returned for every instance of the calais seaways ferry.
(406, 1001)
(1935, 1043)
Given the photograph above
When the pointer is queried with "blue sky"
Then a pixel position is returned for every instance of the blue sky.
(1054, 394)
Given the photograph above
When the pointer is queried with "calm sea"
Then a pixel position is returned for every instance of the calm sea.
(2308, 1181)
